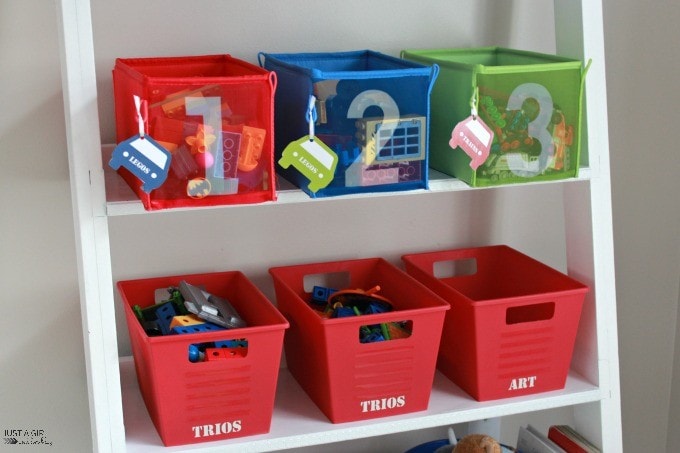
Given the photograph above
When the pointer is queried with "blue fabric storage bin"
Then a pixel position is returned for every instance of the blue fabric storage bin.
(372, 110)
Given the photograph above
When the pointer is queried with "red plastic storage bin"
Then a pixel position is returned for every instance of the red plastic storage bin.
(214, 113)
(349, 380)
(512, 323)
(212, 400)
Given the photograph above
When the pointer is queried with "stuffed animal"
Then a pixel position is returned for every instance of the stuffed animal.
(477, 443)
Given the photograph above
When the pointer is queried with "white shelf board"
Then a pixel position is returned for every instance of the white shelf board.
(297, 421)
(121, 200)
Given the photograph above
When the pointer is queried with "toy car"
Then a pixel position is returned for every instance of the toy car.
(313, 159)
(144, 158)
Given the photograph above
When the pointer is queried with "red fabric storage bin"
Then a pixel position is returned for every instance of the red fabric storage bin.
(212, 400)
(349, 380)
(214, 114)
(512, 324)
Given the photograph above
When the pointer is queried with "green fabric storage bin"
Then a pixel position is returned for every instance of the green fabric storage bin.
(536, 137)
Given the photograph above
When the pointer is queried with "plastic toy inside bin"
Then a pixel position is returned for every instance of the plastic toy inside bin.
(433, 446)
(532, 102)
(372, 111)
(513, 320)
(349, 380)
(214, 114)
(212, 400)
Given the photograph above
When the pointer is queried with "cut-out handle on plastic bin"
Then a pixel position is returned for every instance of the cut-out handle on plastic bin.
(530, 313)
(218, 350)
(454, 268)
(340, 279)
(386, 331)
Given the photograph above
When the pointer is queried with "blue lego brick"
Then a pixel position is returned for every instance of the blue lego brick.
(164, 314)
(320, 295)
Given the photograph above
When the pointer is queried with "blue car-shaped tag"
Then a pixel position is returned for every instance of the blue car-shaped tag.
(145, 159)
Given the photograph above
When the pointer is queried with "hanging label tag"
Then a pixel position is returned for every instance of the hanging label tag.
(144, 158)
(474, 137)
(313, 158)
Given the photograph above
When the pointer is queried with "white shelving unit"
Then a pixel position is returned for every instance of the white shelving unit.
(592, 390)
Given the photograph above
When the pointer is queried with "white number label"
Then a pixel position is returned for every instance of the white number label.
(376, 98)
(209, 109)
(537, 129)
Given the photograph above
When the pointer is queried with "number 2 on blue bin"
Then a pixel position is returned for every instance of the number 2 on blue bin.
(389, 107)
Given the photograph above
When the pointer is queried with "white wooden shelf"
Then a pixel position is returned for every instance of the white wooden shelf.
(121, 200)
(297, 421)
(119, 419)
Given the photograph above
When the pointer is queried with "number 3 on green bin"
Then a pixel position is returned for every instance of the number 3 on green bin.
(538, 129)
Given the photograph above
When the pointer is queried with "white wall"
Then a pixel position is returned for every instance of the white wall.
(642, 67)
(42, 375)
(42, 371)
(245, 28)
(674, 414)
